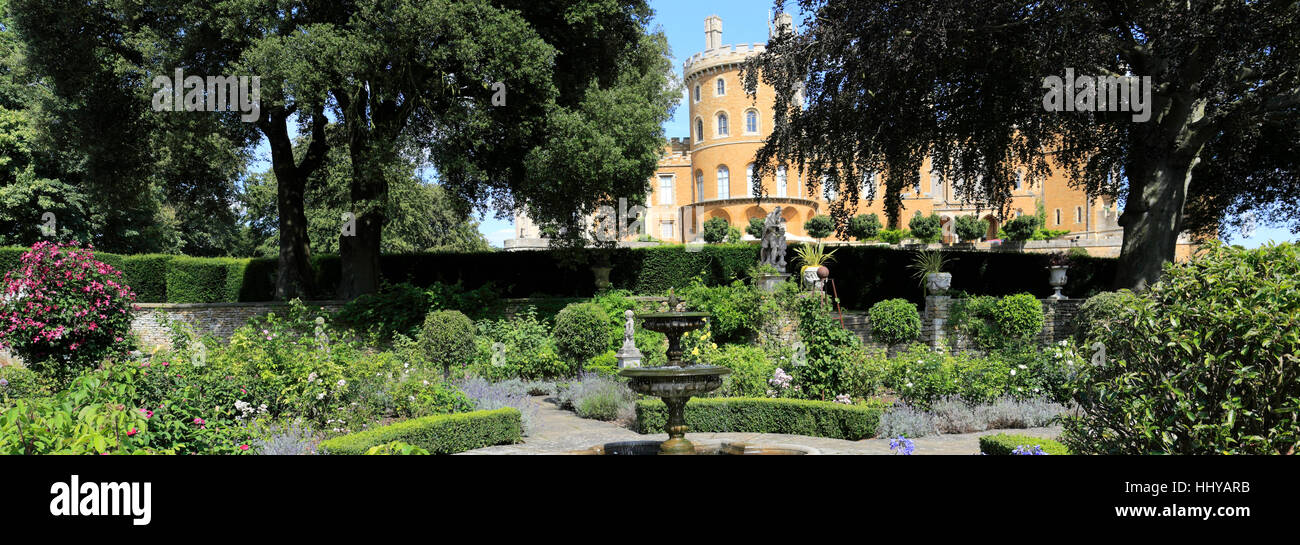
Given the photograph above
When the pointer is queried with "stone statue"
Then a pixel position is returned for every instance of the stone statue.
(628, 355)
(773, 249)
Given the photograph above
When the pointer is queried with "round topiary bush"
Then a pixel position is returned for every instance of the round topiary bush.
(864, 226)
(1205, 361)
(819, 226)
(894, 321)
(715, 230)
(1018, 318)
(63, 312)
(1100, 311)
(1021, 228)
(925, 228)
(971, 228)
(447, 339)
(581, 333)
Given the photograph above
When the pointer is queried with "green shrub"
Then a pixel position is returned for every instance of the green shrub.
(1018, 318)
(819, 226)
(517, 348)
(1006, 444)
(826, 345)
(894, 321)
(894, 236)
(1021, 228)
(597, 397)
(755, 227)
(1204, 361)
(447, 339)
(734, 309)
(971, 228)
(605, 364)
(396, 448)
(479, 303)
(715, 230)
(204, 280)
(581, 332)
(864, 371)
(439, 434)
(925, 228)
(1101, 311)
(864, 226)
(750, 370)
(765, 415)
(20, 382)
(395, 309)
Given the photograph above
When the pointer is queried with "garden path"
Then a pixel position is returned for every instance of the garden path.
(558, 431)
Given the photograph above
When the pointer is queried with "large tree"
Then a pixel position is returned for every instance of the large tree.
(880, 86)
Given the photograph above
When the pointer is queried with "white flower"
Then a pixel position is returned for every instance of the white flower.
(412, 398)
(909, 385)
(342, 383)
(1022, 366)
(311, 377)
(1013, 372)
(320, 396)
(426, 383)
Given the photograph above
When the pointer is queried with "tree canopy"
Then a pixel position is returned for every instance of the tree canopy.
(876, 86)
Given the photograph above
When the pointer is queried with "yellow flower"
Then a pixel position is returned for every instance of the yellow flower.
(695, 351)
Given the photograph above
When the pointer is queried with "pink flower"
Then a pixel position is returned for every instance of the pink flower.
(198, 421)
(148, 413)
(243, 447)
(132, 432)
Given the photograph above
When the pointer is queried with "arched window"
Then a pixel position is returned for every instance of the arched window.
(749, 180)
(722, 124)
(780, 182)
(697, 93)
(751, 122)
(699, 185)
(724, 182)
(699, 129)
(722, 87)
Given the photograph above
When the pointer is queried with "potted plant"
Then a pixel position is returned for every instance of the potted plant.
(767, 277)
(814, 258)
(1058, 263)
(927, 268)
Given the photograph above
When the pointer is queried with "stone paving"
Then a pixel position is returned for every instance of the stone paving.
(559, 431)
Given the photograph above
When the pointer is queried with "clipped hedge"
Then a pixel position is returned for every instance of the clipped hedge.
(765, 415)
(205, 280)
(438, 434)
(147, 276)
(862, 274)
(1005, 444)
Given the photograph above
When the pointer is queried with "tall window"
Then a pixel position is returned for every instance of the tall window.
(699, 129)
(666, 230)
(749, 180)
(1058, 216)
(751, 122)
(1020, 180)
(722, 86)
(1078, 214)
(722, 124)
(697, 93)
(724, 182)
(780, 182)
(868, 178)
(665, 190)
(699, 186)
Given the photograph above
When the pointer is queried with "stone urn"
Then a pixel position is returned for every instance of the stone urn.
(1056, 277)
(812, 278)
(601, 276)
(938, 283)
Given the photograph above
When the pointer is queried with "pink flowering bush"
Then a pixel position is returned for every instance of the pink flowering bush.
(62, 311)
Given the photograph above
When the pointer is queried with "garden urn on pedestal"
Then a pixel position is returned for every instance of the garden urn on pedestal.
(1057, 279)
(938, 283)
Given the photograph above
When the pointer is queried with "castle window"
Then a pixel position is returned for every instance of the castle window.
(722, 124)
(1020, 180)
(722, 87)
(751, 122)
(699, 186)
(666, 230)
(724, 182)
(1078, 214)
(780, 182)
(697, 93)
(699, 129)
(665, 190)
(1058, 216)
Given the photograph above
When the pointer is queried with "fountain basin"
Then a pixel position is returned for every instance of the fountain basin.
(725, 448)
(675, 381)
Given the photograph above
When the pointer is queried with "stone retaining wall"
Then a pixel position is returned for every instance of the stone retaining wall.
(217, 319)
(1058, 323)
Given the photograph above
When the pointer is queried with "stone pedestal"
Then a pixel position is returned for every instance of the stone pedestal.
(769, 282)
(934, 320)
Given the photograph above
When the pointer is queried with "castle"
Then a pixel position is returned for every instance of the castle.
(710, 174)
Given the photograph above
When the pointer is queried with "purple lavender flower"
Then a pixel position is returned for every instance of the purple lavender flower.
(1025, 450)
(906, 445)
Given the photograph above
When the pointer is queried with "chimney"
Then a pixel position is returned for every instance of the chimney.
(712, 32)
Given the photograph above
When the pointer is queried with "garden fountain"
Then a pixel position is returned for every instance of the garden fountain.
(676, 383)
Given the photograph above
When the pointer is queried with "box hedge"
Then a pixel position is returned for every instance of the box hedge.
(147, 276)
(438, 434)
(205, 280)
(765, 415)
(1005, 444)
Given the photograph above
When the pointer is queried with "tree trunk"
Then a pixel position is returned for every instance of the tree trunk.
(1152, 219)
(370, 146)
(294, 276)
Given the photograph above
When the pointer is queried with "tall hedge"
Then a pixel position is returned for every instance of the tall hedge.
(147, 275)
(205, 280)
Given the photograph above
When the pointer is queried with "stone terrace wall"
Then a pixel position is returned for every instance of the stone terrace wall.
(1058, 318)
(217, 319)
